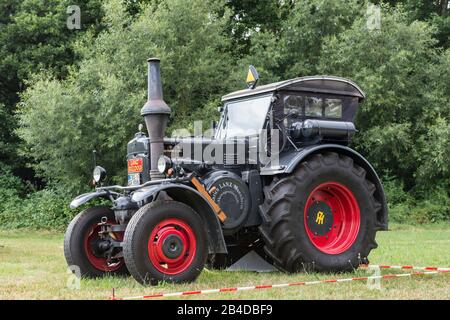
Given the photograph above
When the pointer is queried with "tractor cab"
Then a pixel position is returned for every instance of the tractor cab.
(291, 101)
(296, 114)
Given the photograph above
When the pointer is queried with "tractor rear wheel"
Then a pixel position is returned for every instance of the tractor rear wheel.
(84, 249)
(321, 217)
(165, 241)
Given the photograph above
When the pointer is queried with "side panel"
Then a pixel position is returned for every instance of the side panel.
(288, 162)
(195, 200)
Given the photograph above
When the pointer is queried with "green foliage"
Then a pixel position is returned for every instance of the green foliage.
(250, 18)
(403, 122)
(82, 90)
(434, 146)
(295, 49)
(34, 37)
(42, 209)
(7, 122)
(97, 107)
(45, 209)
(434, 12)
(405, 208)
(421, 212)
(442, 33)
(395, 191)
(10, 185)
(419, 9)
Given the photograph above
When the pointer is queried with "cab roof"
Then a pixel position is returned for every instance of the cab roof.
(317, 84)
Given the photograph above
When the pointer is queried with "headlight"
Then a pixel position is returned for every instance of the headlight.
(99, 174)
(164, 164)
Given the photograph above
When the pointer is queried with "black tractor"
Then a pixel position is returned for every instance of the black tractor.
(275, 176)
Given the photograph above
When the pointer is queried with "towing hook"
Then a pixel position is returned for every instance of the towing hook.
(103, 220)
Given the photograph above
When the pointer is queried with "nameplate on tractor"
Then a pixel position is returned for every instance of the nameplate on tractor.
(135, 165)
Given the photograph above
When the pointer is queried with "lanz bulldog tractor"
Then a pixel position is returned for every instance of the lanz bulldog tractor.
(276, 177)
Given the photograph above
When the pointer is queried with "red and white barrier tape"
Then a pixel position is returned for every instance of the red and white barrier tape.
(412, 268)
(424, 271)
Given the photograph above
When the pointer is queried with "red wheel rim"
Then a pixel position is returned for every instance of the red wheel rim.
(172, 246)
(340, 216)
(96, 261)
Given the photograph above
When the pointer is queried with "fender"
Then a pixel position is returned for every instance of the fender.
(289, 161)
(86, 197)
(192, 198)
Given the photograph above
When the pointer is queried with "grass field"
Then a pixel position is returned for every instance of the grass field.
(32, 266)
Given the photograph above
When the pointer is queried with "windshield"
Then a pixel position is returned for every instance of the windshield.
(243, 117)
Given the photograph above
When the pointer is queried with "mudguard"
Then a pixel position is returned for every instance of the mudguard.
(86, 197)
(192, 198)
(289, 161)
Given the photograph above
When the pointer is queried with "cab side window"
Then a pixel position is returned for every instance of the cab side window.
(313, 107)
(293, 102)
(333, 108)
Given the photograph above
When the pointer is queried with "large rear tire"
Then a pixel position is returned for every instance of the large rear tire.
(165, 241)
(80, 244)
(321, 217)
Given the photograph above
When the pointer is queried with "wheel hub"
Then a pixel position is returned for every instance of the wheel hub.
(319, 218)
(96, 249)
(99, 247)
(172, 246)
(332, 217)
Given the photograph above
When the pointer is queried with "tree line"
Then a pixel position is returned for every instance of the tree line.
(65, 92)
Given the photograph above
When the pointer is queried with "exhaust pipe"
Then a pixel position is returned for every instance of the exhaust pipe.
(156, 114)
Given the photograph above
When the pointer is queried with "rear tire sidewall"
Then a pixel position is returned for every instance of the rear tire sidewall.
(321, 261)
(137, 237)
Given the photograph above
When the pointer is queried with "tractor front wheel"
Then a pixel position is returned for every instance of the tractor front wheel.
(86, 251)
(165, 241)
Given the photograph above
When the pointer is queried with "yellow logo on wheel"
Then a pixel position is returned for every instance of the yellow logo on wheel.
(320, 217)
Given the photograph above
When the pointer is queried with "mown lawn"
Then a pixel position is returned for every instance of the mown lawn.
(32, 266)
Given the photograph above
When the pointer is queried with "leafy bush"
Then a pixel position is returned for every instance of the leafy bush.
(407, 207)
(404, 119)
(97, 106)
(40, 209)
(395, 191)
(10, 185)
(45, 209)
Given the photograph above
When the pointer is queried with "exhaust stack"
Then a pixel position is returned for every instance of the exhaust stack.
(156, 114)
